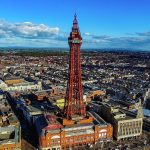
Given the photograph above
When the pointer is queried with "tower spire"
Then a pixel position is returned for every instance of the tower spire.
(75, 23)
(75, 15)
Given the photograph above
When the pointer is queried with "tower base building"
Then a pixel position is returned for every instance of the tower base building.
(53, 135)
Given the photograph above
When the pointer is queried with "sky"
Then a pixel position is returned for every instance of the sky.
(103, 23)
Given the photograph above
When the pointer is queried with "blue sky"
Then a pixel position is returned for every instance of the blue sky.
(103, 23)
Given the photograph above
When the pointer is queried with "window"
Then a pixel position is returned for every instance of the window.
(71, 140)
(52, 141)
(103, 134)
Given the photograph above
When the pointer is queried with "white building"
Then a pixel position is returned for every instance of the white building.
(3, 85)
(24, 86)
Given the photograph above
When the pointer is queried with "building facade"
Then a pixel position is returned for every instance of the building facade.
(125, 125)
(20, 86)
(54, 136)
(128, 128)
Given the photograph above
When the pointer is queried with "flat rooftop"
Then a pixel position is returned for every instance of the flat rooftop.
(24, 83)
(51, 123)
(7, 116)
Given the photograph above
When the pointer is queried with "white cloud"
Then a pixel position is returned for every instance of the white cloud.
(86, 33)
(27, 30)
(30, 34)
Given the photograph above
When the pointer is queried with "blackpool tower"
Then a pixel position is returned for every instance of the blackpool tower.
(74, 105)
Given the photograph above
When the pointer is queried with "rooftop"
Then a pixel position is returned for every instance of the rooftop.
(7, 116)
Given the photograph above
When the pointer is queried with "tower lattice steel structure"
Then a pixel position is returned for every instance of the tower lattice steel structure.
(74, 105)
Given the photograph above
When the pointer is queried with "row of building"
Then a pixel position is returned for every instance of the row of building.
(18, 84)
(39, 109)
(10, 130)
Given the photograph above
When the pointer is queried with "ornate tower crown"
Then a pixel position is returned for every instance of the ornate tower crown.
(75, 36)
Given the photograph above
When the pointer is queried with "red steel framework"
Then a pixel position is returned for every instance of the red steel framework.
(74, 105)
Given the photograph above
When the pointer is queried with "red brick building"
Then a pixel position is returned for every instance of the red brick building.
(53, 135)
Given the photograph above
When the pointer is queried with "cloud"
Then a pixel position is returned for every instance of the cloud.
(41, 35)
(30, 34)
(143, 34)
(100, 37)
(27, 30)
(86, 34)
(2, 34)
(132, 41)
